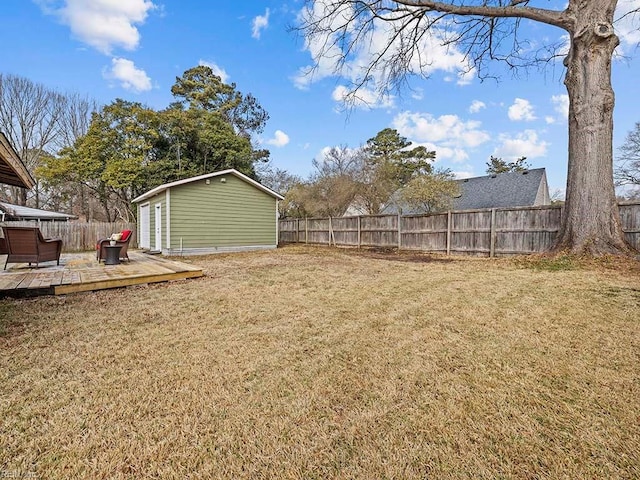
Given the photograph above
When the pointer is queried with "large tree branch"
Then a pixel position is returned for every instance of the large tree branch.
(513, 10)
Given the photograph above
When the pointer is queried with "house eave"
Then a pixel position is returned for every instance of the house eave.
(12, 170)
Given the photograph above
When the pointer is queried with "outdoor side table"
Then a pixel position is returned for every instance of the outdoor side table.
(112, 256)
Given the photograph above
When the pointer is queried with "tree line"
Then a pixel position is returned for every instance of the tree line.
(385, 171)
(92, 161)
(39, 122)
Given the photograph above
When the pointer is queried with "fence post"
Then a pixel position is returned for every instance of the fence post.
(306, 230)
(297, 230)
(449, 232)
(399, 231)
(492, 248)
(330, 232)
(359, 241)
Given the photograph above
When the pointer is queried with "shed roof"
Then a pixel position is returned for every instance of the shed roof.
(12, 170)
(231, 171)
(509, 189)
(26, 213)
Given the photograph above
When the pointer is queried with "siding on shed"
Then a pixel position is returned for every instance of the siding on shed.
(229, 214)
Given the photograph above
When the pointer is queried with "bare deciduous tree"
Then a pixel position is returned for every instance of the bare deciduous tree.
(30, 116)
(74, 123)
(336, 31)
(627, 172)
(75, 119)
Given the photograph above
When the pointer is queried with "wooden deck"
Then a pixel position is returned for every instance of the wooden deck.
(81, 272)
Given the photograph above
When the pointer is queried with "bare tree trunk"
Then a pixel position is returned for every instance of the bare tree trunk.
(591, 219)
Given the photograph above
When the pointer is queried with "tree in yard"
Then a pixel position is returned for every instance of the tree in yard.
(498, 165)
(111, 159)
(432, 192)
(30, 116)
(222, 122)
(321, 197)
(484, 31)
(200, 88)
(364, 178)
(73, 124)
(389, 164)
(332, 188)
(196, 141)
(628, 170)
(129, 148)
(390, 148)
(282, 182)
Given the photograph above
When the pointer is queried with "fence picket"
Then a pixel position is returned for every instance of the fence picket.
(77, 236)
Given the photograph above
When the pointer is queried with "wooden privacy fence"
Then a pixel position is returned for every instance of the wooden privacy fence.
(77, 237)
(489, 232)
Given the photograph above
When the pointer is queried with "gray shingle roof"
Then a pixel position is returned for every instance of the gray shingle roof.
(510, 189)
(26, 213)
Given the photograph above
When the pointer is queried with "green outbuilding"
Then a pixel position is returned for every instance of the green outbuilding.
(218, 212)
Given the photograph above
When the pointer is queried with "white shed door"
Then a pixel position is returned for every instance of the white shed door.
(145, 227)
(158, 219)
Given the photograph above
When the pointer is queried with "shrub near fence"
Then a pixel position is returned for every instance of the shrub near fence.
(487, 232)
(78, 237)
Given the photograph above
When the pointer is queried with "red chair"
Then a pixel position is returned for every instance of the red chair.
(101, 252)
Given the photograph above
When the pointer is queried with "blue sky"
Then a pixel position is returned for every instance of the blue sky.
(134, 49)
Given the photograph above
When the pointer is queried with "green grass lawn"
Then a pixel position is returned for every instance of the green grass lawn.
(324, 363)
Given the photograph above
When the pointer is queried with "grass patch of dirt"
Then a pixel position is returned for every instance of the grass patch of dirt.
(323, 363)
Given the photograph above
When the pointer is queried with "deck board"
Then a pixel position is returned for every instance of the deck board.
(81, 273)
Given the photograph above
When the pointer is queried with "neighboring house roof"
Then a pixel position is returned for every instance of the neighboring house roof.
(509, 189)
(12, 170)
(503, 190)
(231, 171)
(18, 212)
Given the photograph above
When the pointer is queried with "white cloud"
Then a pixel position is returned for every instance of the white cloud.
(217, 70)
(460, 174)
(448, 135)
(417, 94)
(521, 110)
(363, 98)
(450, 129)
(103, 24)
(549, 119)
(261, 22)
(130, 77)
(561, 105)
(465, 77)
(433, 54)
(524, 143)
(476, 106)
(280, 139)
(626, 25)
(456, 155)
